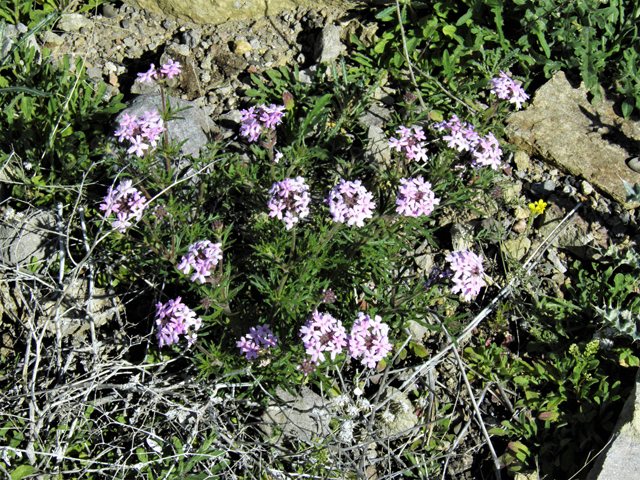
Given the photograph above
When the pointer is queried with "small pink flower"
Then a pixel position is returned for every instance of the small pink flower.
(170, 69)
(149, 76)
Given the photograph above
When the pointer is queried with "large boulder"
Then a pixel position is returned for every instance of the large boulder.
(215, 12)
(584, 140)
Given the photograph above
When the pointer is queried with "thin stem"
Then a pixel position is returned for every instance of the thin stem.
(166, 130)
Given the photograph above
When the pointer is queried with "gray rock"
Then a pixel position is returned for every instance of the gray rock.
(109, 11)
(575, 238)
(72, 22)
(216, 12)
(192, 127)
(77, 308)
(328, 46)
(522, 160)
(378, 151)
(376, 115)
(30, 234)
(424, 262)
(620, 460)
(308, 75)
(461, 236)
(398, 417)
(52, 38)
(586, 188)
(564, 128)
(303, 417)
(94, 72)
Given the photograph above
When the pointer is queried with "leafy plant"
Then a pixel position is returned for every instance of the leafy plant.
(52, 123)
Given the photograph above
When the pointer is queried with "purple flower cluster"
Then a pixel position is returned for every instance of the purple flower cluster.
(168, 70)
(467, 273)
(462, 137)
(415, 198)
(260, 119)
(290, 196)
(370, 338)
(508, 89)
(175, 318)
(258, 339)
(323, 333)
(126, 202)
(410, 143)
(141, 132)
(350, 202)
(203, 257)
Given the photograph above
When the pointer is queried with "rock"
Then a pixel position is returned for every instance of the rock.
(27, 235)
(241, 47)
(76, 306)
(516, 248)
(109, 11)
(72, 22)
(328, 46)
(378, 151)
(192, 127)
(620, 458)
(303, 417)
(51, 38)
(586, 188)
(424, 262)
(417, 331)
(634, 164)
(215, 12)
(376, 115)
(461, 236)
(522, 160)
(564, 128)
(520, 226)
(398, 417)
(576, 237)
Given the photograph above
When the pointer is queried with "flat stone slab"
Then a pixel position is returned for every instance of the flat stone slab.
(584, 140)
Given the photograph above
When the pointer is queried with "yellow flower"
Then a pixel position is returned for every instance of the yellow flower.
(538, 207)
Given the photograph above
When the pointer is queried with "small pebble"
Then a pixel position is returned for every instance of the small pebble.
(587, 189)
(520, 226)
(241, 47)
(634, 164)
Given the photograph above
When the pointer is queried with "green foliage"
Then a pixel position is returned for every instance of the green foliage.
(34, 12)
(633, 192)
(597, 294)
(52, 118)
(599, 39)
(573, 395)
(456, 46)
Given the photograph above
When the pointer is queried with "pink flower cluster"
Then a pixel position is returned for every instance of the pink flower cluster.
(410, 143)
(323, 333)
(168, 70)
(508, 89)
(141, 132)
(260, 119)
(415, 198)
(350, 202)
(291, 197)
(467, 273)
(462, 137)
(126, 202)
(369, 338)
(174, 318)
(258, 339)
(203, 257)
